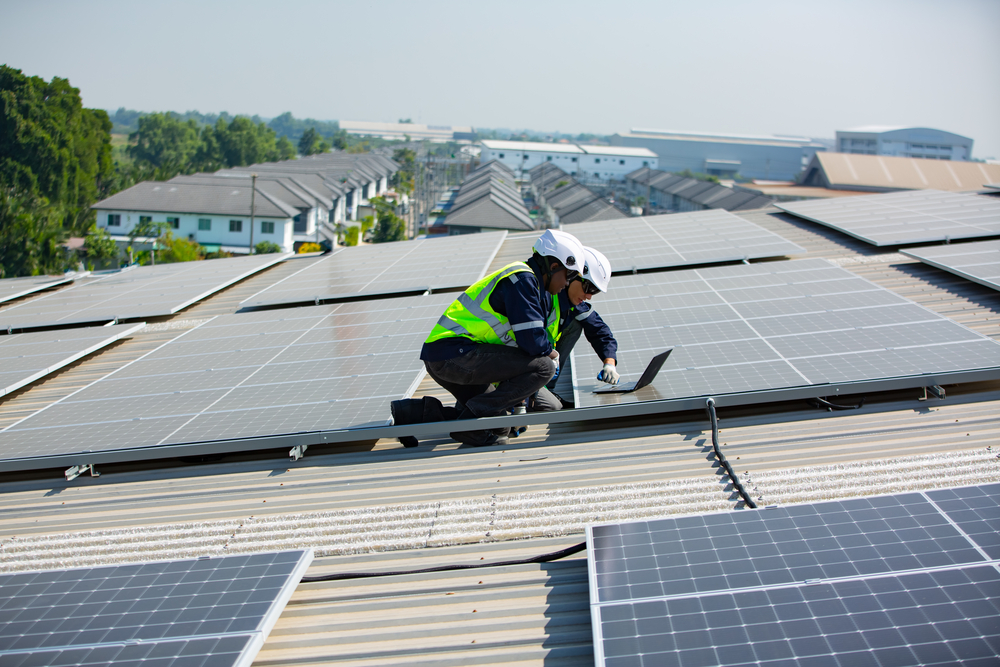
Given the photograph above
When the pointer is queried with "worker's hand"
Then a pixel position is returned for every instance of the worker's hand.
(554, 356)
(608, 374)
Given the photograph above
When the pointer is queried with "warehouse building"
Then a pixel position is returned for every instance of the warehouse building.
(723, 155)
(602, 162)
(917, 142)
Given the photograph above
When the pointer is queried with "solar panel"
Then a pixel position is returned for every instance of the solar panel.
(978, 262)
(266, 373)
(148, 613)
(898, 218)
(387, 268)
(681, 239)
(28, 356)
(135, 293)
(13, 288)
(771, 327)
(888, 580)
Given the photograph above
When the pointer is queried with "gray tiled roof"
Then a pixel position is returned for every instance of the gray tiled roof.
(220, 199)
(492, 213)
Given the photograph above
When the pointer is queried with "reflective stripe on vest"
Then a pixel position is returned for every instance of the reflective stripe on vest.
(471, 316)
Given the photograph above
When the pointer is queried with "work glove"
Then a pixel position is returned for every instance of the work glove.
(608, 374)
(555, 360)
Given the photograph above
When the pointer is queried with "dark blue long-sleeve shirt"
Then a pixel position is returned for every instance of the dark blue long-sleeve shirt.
(597, 331)
(521, 300)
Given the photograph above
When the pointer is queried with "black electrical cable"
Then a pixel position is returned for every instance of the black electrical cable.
(747, 500)
(823, 403)
(544, 558)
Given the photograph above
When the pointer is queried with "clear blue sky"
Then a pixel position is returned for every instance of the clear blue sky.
(798, 67)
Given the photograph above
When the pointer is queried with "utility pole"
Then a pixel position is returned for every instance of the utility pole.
(253, 202)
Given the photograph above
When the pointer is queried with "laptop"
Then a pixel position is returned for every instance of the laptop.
(655, 364)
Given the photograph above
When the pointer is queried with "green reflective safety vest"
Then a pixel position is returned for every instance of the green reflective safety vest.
(471, 316)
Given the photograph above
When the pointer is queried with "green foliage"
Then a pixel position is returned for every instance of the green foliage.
(402, 180)
(389, 226)
(165, 143)
(367, 223)
(286, 149)
(287, 125)
(309, 247)
(178, 250)
(266, 247)
(51, 147)
(312, 143)
(351, 236)
(99, 247)
(687, 173)
(30, 235)
(560, 184)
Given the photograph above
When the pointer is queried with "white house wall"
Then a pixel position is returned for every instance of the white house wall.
(219, 233)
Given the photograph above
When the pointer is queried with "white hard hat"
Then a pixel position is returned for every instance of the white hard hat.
(596, 268)
(564, 247)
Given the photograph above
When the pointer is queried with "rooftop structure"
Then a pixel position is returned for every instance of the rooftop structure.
(877, 173)
(915, 142)
(415, 131)
(600, 162)
(488, 199)
(565, 200)
(673, 193)
(373, 506)
(767, 157)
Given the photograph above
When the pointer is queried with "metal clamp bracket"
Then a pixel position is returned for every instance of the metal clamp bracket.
(76, 471)
(936, 391)
(297, 452)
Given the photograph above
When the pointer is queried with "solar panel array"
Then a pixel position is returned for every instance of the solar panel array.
(265, 373)
(681, 239)
(978, 262)
(908, 579)
(27, 357)
(214, 611)
(898, 218)
(769, 326)
(135, 293)
(387, 268)
(13, 288)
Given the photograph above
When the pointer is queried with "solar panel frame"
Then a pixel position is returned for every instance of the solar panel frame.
(681, 239)
(270, 373)
(900, 218)
(133, 613)
(778, 328)
(139, 292)
(26, 357)
(838, 579)
(978, 262)
(14, 288)
(379, 270)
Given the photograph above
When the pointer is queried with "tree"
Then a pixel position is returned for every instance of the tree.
(178, 250)
(99, 248)
(51, 147)
(266, 247)
(351, 236)
(388, 226)
(146, 229)
(31, 232)
(402, 180)
(243, 142)
(286, 149)
(312, 143)
(165, 142)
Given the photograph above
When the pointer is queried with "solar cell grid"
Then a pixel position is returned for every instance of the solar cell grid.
(453, 262)
(681, 239)
(978, 262)
(140, 292)
(776, 325)
(264, 373)
(898, 218)
(230, 650)
(899, 579)
(27, 357)
(13, 288)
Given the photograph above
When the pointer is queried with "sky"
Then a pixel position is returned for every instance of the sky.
(802, 67)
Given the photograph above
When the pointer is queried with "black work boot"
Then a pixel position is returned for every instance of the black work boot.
(482, 438)
(407, 411)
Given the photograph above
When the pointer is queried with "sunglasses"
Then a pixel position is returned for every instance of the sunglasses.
(588, 287)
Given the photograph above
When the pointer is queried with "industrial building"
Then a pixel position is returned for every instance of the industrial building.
(723, 155)
(916, 142)
(877, 173)
(601, 162)
(413, 131)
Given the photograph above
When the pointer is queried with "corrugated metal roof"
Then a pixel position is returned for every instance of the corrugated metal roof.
(214, 199)
(541, 487)
(882, 172)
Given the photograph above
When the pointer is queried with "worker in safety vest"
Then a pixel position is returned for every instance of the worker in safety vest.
(578, 317)
(502, 331)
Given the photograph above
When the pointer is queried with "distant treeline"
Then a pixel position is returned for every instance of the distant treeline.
(126, 121)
